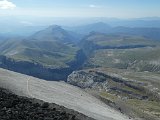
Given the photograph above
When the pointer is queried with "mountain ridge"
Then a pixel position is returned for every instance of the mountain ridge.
(53, 33)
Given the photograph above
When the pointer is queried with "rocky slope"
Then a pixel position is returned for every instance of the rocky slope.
(127, 91)
(13, 107)
(59, 93)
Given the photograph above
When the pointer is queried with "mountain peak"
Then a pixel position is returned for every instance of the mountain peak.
(54, 33)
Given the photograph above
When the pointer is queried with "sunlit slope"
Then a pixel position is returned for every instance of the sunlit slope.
(51, 47)
(48, 53)
(139, 59)
(59, 93)
(121, 51)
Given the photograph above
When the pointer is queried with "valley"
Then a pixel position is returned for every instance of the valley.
(79, 59)
(56, 57)
(103, 75)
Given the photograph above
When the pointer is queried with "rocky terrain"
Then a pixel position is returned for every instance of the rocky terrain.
(13, 107)
(134, 93)
(59, 93)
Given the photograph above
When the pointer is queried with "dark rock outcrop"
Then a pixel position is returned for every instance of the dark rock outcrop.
(13, 107)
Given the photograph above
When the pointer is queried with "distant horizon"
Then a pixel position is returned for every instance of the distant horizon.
(80, 17)
(13, 21)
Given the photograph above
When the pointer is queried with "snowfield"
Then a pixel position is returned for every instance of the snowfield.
(60, 93)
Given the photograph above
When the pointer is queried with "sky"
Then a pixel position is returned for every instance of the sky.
(81, 8)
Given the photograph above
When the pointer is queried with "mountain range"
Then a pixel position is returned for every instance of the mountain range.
(148, 32)
(119, 65)
(47, 50)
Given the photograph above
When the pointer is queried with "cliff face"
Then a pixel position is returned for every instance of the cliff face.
(33, 69)
(86, 80)
(37, 70)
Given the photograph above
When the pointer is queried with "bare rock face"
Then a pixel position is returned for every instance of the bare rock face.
(106, 81)
(87, 79)
(80, 79)
(120, 91)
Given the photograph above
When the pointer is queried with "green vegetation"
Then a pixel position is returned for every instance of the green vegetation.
(109, 96)
(114, 40)
(48, 53)
(117, 40)
(139, 59)
(121, 51)
(137, 108)
(145, 109)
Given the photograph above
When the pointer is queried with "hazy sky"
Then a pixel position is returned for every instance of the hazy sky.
(81, 8)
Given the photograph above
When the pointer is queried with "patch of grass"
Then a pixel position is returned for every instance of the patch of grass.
(108, 96)
(142, 107)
